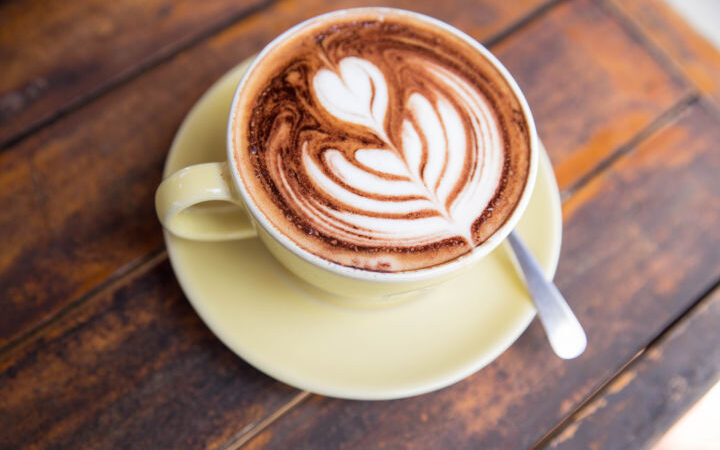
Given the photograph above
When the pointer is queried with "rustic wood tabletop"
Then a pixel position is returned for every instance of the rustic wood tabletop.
(100, 349)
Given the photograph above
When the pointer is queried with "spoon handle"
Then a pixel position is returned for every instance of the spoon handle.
(566, 335)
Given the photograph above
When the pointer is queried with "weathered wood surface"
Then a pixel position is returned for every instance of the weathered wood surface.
(97, 344)
(80, 191)
(55, 53)
(135, 368)
(640, 245)
(588, 99)
(691, 53)
(647, 398)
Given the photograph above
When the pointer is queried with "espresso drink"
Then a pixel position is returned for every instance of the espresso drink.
(379, 140)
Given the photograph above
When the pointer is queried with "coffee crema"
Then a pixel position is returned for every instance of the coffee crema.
(381, 141)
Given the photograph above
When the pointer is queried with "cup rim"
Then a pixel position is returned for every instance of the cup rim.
(438, 270)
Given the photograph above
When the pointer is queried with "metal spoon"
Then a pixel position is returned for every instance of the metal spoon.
(566, 335)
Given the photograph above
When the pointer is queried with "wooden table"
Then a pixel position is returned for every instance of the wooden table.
(99, 348)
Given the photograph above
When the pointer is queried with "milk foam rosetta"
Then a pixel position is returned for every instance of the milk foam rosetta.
(384, 144)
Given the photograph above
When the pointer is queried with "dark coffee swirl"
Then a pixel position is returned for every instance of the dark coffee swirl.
(384, 143)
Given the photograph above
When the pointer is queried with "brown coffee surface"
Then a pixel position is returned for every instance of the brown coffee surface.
(377, 140)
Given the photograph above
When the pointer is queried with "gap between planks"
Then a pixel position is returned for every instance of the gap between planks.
(659, 122)
(118, 279)
(124, 77)
(249, 432)
(521, 23)
(635, 359)
(628, 24)
(674, 64)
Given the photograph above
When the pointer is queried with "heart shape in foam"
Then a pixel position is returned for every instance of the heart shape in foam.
(358, 95)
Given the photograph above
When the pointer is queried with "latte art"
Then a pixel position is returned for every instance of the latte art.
(382, 144)
(428, 183)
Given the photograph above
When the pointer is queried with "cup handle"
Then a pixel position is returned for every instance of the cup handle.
(197, 203)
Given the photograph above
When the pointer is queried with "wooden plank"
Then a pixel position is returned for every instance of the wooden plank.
(691, 53)
(134, 369)
(644, 400)
(640, 246)
(56, 53)
(80, 192)
(591, 85)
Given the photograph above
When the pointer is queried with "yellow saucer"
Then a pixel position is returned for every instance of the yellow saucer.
(249, 302)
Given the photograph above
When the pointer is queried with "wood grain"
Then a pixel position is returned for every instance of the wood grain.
(79, 194)
(691, 53)
(134, 369)
(640, 245)
(646, 399)
(590, 84)
(55, 54)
